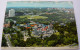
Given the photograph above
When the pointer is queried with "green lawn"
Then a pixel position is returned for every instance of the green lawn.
(33, 17)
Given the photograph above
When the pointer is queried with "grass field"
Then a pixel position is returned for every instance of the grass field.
(33, 17)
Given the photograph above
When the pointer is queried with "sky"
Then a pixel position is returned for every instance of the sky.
(36, 4)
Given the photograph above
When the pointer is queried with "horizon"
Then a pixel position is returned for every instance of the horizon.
(40, 4)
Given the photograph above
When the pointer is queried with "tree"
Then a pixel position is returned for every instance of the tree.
(11, 23)
(52, 43)
(3, 41)
(29, 32)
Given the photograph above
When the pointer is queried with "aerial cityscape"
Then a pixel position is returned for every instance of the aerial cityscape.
(36, 24)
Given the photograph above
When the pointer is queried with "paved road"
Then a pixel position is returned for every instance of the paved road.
(8, 41)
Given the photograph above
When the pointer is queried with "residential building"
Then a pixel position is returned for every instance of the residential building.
(11, 13)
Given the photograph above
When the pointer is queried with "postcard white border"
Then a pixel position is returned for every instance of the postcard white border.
(76, 4)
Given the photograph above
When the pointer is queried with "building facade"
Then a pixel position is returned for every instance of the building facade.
(11, 13)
